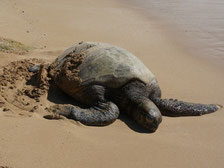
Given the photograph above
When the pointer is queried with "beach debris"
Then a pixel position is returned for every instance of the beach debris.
(12, 46)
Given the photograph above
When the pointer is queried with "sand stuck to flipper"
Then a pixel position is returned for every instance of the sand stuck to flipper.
(22, 88)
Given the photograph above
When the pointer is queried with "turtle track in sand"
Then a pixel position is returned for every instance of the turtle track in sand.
(22, 91)
(22, 88)
(31, 91)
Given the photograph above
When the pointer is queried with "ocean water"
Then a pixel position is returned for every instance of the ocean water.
(200, 21)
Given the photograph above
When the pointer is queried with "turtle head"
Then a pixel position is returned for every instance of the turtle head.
(133, 98)
(147, 115)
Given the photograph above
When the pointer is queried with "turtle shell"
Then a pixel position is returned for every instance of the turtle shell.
(100, 63)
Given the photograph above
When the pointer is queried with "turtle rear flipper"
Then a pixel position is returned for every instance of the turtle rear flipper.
(100, 115)
(174, 107)
(34, 68)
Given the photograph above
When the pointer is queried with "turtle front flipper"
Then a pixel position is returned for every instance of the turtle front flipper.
(100, 115)
(174, 107)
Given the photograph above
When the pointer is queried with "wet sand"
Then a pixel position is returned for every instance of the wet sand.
(51, 26)
(200, 23)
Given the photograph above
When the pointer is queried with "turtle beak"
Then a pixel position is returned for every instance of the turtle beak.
(154, 118)
(148, 115)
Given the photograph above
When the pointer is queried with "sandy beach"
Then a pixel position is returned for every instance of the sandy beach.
(49, 27)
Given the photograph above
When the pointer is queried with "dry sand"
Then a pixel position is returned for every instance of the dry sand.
(28, 140)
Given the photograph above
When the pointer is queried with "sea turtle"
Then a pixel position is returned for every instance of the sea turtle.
(109, 80)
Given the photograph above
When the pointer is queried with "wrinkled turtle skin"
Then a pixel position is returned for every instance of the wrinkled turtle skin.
(109, 80)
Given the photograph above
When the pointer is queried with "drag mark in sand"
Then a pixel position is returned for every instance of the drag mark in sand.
(18, 86)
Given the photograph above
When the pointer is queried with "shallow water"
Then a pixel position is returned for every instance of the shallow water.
(201, 22)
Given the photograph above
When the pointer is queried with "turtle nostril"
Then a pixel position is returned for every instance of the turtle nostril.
(157, 121)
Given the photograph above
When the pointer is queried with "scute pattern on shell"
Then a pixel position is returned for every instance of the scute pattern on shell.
(97, 63)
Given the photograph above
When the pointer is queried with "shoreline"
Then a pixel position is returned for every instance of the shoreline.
(29, 140)
(204, 43)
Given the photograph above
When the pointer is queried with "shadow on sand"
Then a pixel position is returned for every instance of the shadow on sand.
(132, 124)
(57, 96)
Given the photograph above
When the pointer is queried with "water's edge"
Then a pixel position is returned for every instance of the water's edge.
(200, 24)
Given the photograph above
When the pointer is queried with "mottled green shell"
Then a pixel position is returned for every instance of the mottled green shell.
(106, 65)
